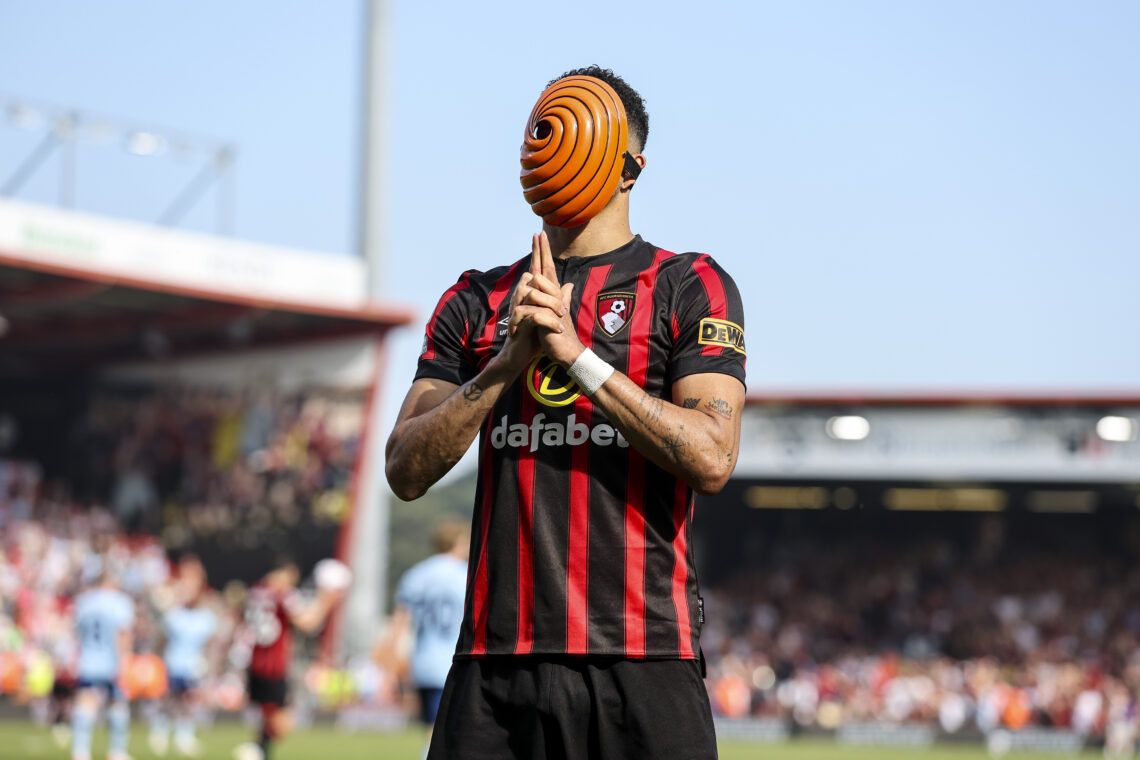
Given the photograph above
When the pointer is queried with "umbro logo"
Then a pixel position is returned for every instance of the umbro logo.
(504, 325)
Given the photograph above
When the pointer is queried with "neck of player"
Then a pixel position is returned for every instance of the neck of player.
(605, 232)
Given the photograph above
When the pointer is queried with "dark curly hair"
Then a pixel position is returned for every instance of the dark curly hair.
(635, 113)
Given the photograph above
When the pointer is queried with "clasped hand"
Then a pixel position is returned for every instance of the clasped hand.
(540, 312)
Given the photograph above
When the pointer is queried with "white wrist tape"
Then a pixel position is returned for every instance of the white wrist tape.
(589, 370)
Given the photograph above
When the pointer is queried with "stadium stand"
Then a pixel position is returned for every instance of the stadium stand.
(165, 392)
(967, 565)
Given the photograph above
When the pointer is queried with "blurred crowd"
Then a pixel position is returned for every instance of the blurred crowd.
(150, 474)
(961, 638)
(56, 551)
(47, 560)
(235, 469)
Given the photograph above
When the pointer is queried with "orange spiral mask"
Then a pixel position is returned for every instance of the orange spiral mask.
(574, 150)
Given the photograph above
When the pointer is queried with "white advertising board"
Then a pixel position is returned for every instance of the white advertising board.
(65, 238)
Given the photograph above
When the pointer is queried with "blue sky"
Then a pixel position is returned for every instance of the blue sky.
(911, 196)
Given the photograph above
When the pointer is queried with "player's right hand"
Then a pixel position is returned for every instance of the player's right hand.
(536, 303)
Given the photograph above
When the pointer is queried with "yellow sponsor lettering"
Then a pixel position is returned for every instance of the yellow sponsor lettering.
(721, 332)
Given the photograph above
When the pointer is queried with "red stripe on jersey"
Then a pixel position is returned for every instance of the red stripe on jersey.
(429, 352)
(524, 643)
(676, 328)
(635, 485)
(486, 339)
(682, 501)
(266, 615)
(479, 600)
(714, 290)
(578, 531)
(635, 557)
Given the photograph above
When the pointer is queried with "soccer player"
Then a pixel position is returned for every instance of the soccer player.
(429, 603)
(580, 636)
(272, 610)
(188, 626)
(104, 616)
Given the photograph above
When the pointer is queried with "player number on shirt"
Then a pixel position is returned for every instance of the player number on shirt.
(434, 614)
(261, 617)
(92, 632)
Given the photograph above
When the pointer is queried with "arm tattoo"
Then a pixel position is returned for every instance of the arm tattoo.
(691, 403)
(720, 407)
(652, 406)
(473, 391)
(673, 442)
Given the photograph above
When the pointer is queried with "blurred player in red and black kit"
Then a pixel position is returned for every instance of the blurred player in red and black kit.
(605, 378)
(272, 610)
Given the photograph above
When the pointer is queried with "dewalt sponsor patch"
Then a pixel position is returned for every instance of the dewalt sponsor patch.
(721, 332)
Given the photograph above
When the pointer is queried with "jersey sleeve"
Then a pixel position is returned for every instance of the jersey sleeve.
(126, 616)
(444, 355)
(404, 590)
(290, 603)
(708, 323)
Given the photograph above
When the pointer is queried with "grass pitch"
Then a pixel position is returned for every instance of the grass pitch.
(22, 740)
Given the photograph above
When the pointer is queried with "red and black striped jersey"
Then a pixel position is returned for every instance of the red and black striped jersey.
(580, 545)
(267, 619)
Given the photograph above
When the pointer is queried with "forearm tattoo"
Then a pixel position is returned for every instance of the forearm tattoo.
(720, 407)
(673, 442)
(690, 403)
(651, 407)
(473, 391)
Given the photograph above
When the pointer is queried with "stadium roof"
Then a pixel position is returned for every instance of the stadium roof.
(1036, 398)
(57, 318)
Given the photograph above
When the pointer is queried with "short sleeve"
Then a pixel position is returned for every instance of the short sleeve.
(291, 602)
(708, 323)
(444, 355)
(404, 591)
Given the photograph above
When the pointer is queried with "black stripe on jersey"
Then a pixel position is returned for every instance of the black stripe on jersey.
(660, 635)
(596, 566)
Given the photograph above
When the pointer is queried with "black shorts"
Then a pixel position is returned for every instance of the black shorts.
(268, 691)
(63, 688)
(574, 708)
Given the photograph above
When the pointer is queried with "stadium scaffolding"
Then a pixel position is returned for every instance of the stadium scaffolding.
(70, 310)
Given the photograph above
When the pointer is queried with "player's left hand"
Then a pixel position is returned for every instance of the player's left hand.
(562, 345)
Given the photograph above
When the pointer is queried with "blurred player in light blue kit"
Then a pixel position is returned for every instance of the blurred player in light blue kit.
(429, 603)
(105, 617)
(189, 627)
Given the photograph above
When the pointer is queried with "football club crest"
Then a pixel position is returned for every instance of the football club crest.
(614, 311)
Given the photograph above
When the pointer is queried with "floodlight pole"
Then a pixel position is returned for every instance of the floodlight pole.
(374, 112)
(370, 550)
